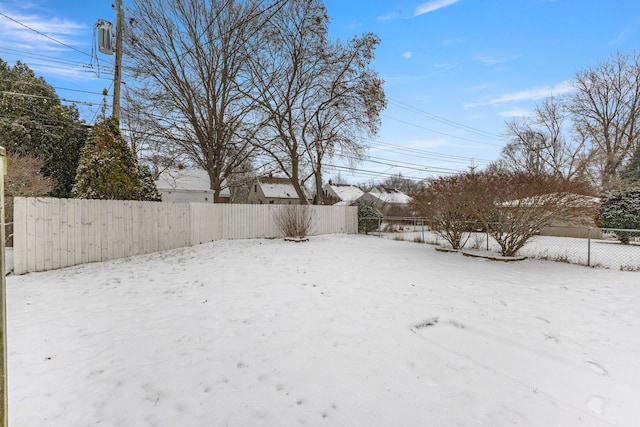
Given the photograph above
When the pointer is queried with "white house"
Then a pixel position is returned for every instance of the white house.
(187, 185)
(341, 194)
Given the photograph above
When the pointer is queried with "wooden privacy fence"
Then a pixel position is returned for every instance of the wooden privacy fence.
(55, 233)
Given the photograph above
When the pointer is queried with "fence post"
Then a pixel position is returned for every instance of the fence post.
(589, 247)
(3, 300)
(487, 240)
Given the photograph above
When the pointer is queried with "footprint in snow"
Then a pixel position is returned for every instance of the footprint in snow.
(596, 367)
(595, 404)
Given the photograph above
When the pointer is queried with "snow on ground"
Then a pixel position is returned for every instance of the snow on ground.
(338, 331)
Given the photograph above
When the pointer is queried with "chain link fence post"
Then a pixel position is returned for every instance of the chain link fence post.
(589, 247)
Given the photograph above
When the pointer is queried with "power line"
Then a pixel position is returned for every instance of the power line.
(397, 163)
(442, 133)
(21, 82)
(26, 95)
(42, 57)
(368, 173)
(443, 119)
(44, 35)
(432, 155)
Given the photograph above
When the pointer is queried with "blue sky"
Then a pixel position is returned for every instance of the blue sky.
(454, 70)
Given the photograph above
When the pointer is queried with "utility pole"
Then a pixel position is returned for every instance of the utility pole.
(4, 416)
(117, 74)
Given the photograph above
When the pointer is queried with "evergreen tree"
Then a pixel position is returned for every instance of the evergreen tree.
(621, 210)
(34, 123)
(107, 168)
(631, 172)
(149, 191)
(369, 217)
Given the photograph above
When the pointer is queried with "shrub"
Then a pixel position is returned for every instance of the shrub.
(446, 202)
(510, 206)
(107, 169)
(294, 221)
(369, 217)
(621, 210)
(148, 190)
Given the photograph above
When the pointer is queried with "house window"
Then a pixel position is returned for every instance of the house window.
(270, 202)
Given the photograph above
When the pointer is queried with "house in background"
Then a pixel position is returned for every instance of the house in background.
(274, 191)
(390, 201)
(188, 185)
(341, 194)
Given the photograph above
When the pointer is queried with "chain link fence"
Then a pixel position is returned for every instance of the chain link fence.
(594, 247)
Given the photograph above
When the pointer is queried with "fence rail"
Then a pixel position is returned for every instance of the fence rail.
(54, 233)
(594, 247)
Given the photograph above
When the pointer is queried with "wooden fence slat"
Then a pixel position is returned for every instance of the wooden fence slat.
(64, 233)
(20, 243)
(54, 225)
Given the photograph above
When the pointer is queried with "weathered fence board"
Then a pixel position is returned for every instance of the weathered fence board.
(55, 233)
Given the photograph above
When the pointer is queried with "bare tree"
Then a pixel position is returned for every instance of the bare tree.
(239, 181)
(314, 97)
(446, 203)
(512, 206)
(540, 144)
(189, 55)
(25, 177)
(349, 100)
(406, 185)
(606, 110)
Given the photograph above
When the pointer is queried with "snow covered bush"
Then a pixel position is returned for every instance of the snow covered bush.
(148, 190)
(369, 217)
(107, 168)
(621, 209)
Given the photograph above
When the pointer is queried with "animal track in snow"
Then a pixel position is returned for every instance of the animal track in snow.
(434, 321)
(596, 367)
(425, 323)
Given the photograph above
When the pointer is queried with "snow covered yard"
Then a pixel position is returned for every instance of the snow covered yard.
(337, 331)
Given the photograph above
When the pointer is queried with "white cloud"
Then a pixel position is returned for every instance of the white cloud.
(388, 17)
(407, 55)
(480, 87)
(445, 66)
(526, 95)
(25, 32)
(490, 60)
(432, 6)
(424, 143)
(533, 94)
(450, 42)
(516, 112)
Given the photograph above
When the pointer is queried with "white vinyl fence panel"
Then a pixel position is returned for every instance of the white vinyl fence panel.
(54, 233)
